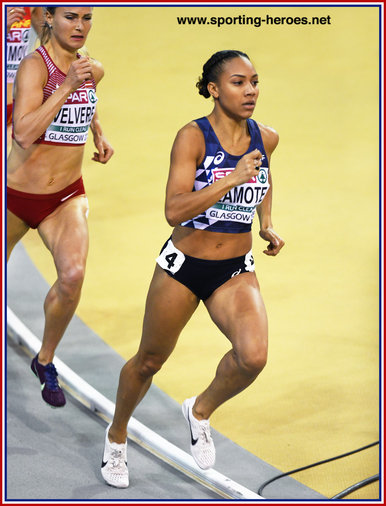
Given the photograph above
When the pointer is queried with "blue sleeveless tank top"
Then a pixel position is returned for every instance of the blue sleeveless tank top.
(234, 212)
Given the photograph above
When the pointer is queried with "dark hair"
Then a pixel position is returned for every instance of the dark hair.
(46, 29)
(213, 67)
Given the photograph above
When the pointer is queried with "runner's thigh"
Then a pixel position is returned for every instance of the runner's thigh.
(238, 310)
(169, 306)
(16, 228)
(65, 232)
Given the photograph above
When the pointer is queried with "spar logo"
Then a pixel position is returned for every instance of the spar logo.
(220, 173)
(79, 97)
(18, 36)
(262, 176)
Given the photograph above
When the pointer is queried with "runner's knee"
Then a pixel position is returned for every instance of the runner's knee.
(251, 362)
(71, 279)
(149, 365)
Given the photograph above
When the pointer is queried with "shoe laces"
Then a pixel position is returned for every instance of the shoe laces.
(51, 377)
(117, 460)
(205, 432)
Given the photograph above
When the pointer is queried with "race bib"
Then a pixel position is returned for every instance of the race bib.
(249, 262)
(171, 258)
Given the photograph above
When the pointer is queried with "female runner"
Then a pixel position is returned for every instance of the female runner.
(54, 106)
(24, 25)
(225, 158)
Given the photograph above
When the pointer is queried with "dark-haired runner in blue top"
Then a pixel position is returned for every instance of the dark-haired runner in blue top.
(219, 176)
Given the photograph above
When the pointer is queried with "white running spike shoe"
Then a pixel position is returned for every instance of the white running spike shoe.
(201, 445)
(114, 463)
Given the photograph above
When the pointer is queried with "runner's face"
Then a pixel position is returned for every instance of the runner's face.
(237, 88)
(70, 25)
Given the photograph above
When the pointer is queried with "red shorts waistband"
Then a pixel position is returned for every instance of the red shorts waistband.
(33, 208)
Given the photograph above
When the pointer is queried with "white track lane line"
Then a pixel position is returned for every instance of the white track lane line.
(137, 432)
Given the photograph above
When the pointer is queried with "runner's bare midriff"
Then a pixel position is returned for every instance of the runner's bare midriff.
(211, 245)
(43, 168)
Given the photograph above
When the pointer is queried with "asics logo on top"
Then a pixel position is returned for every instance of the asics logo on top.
(219, 158)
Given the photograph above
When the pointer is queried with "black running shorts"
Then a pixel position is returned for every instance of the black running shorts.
(202, 277)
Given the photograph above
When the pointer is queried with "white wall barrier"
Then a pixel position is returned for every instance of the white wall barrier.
(137, 432)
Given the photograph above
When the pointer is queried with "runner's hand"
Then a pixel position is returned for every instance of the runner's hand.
(247, 167)
(105, 150)
(79, 71)
(14, 15)
(275, 241)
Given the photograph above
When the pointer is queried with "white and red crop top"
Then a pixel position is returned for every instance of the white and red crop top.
(70, 126)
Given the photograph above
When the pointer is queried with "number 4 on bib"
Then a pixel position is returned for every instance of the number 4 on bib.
(171, 258)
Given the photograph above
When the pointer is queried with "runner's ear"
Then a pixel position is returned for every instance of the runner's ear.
(212, 88)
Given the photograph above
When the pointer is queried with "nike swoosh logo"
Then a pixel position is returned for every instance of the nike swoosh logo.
(43, 385)
(68, 196)
(194, 441)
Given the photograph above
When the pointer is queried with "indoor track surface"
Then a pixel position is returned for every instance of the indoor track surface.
(59, 451)
(318, 396)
